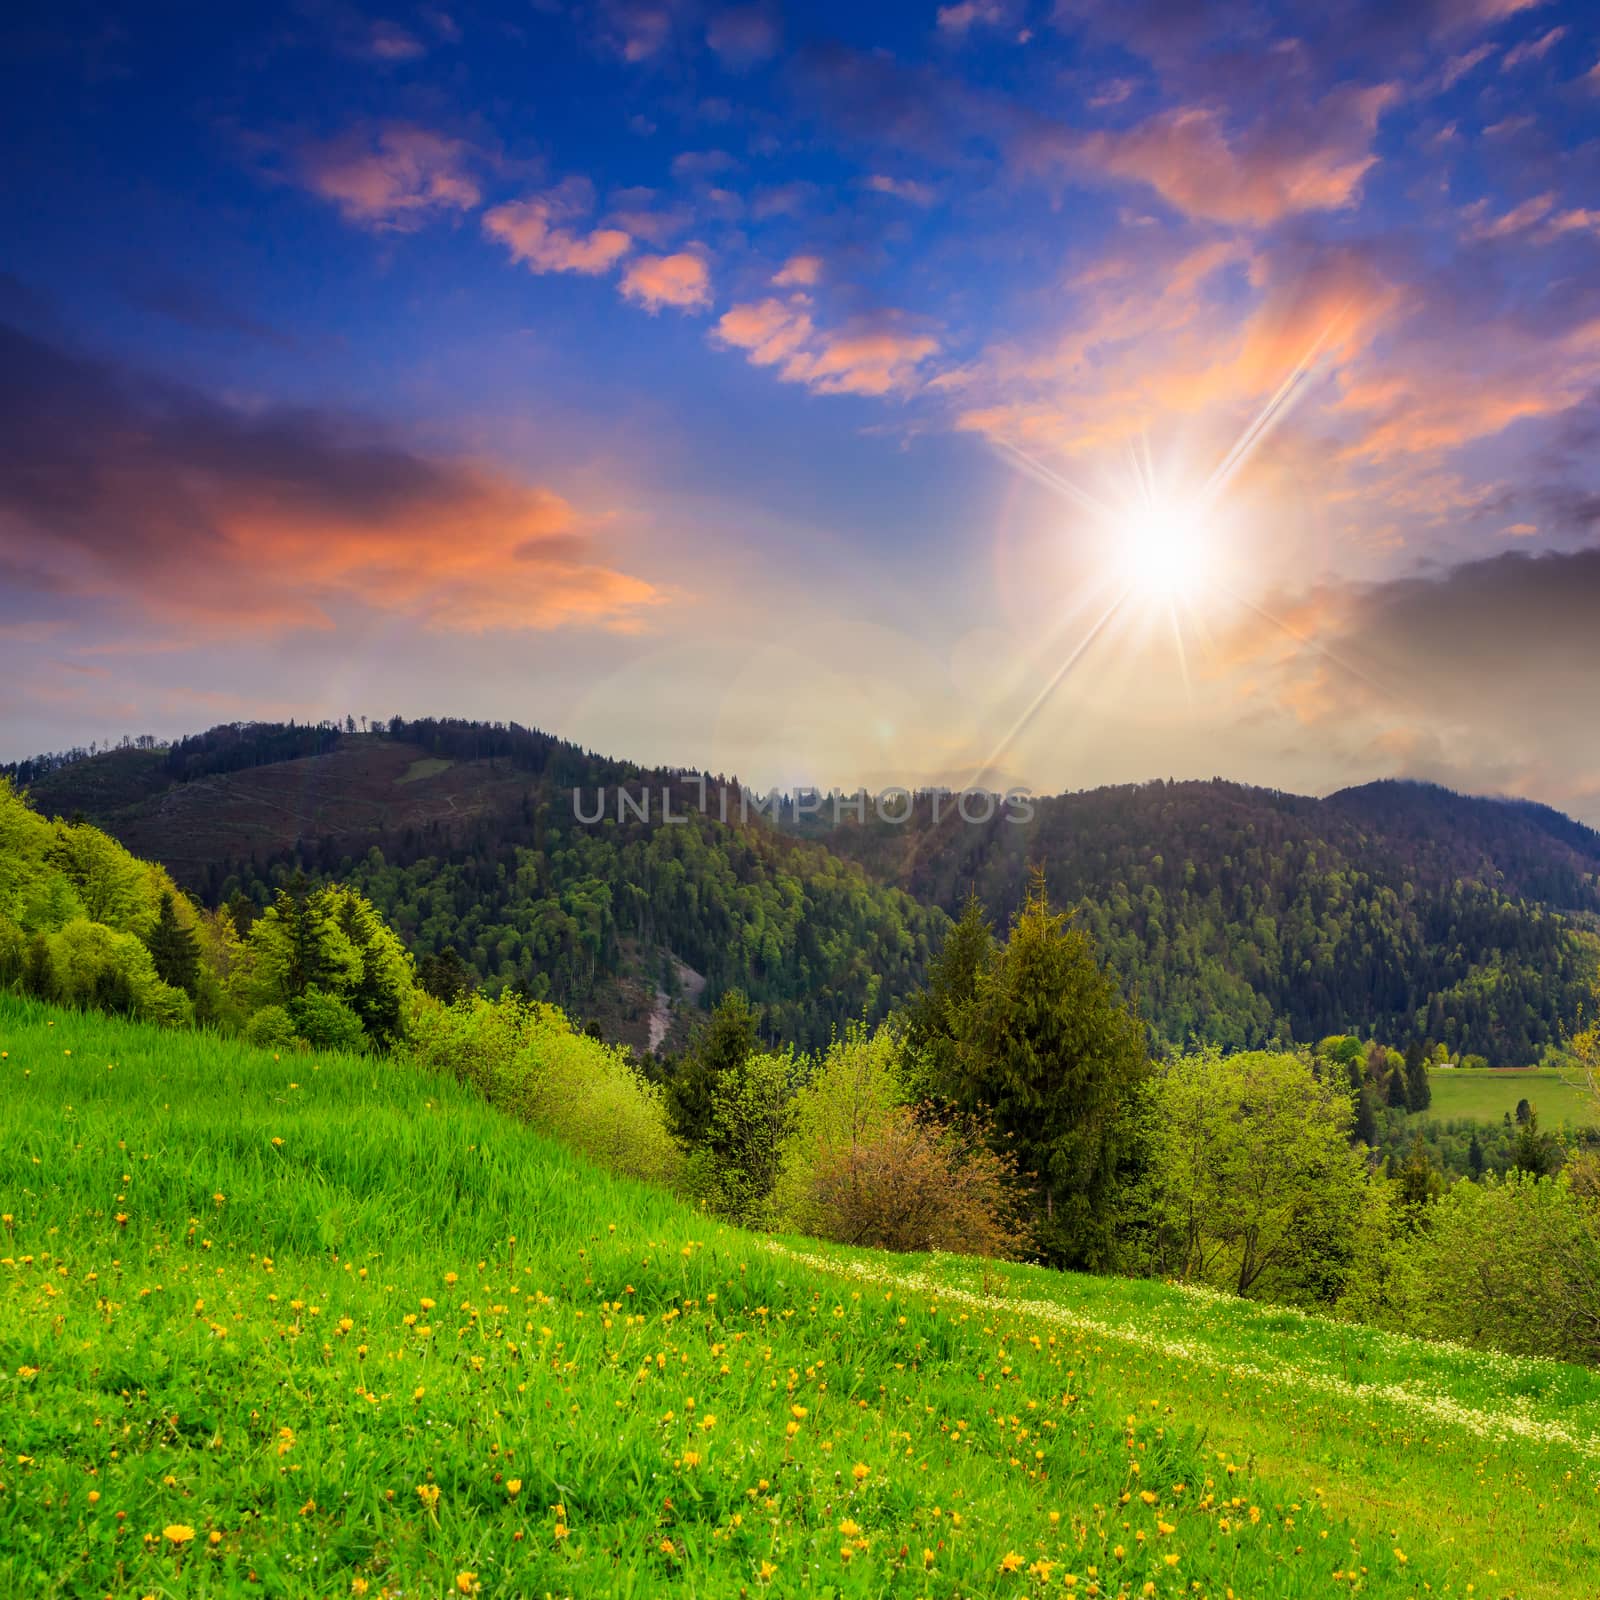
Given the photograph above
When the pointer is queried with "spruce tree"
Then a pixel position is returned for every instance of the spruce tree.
(1051, 1054)
(173, 948)
(936, 1015)
(724, 1047)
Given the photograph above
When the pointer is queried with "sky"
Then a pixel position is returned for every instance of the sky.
(1038, 392)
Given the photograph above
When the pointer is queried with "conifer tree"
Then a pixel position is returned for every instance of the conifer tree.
(173, 948)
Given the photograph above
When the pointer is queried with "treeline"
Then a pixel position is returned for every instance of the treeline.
(1245, 918)
(547, 907)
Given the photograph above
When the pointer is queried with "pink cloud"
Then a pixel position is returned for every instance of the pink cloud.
(538, 231)
(1251, 176)
(799, 272)
(679, 280)
(907, 189)
(396, 177)
(744, 36)
(864, 357)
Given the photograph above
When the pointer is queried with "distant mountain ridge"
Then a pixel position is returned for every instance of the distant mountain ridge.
(1233, 914)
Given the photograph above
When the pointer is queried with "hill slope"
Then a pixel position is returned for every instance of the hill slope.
(324, 1325)
(1236, 915)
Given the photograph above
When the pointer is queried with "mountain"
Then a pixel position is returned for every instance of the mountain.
(1232, 914)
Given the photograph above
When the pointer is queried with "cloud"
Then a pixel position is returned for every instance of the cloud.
(958, 19)
(1457, 67)
(679, 280)
(638, 212)
(636, 30)
(1252, 176)
(395, 177)
(868, 356)
(538, 231)
(798, 272)
(702, 163)
(907, 189)
(744, 36)
(1516, 220)
(135, 492)
(1478, 675)
(1532, 49)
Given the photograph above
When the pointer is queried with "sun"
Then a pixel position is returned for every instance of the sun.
(1164, 548)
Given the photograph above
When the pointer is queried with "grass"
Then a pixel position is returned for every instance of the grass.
(320, 1326)
(1486, 1095)
(426, 767)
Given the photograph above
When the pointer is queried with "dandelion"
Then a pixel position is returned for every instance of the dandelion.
(798, 1413)
(513, 1487)
(466, 1583)
(1010, 1561)
(178, 1533)
(861, 1472)
(428, 1494)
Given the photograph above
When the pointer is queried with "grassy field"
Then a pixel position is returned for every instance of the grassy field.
(319, 1326)
(1486, 1096)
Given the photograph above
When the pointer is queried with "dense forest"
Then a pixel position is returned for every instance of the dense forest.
(1235, 916)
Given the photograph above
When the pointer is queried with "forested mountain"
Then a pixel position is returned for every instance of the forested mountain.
(1232, 914)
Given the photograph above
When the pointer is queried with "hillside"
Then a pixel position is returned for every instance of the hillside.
(330, 1325)
(1233, 914)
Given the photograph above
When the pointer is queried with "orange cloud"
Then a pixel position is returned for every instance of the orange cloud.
(1189, 158)
(538, 231)
(798, 272)
(396, 177)
(119, 486)
(679, 280)
(864, 357)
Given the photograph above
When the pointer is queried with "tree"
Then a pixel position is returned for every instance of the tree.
(1049, 1054)
(445, 976)
(1419, 1093)
(1475, 1157)
(1252, 1175)
(736, 1169)
(937, 1014)
(1538, 1154)
(1420, 1181)
(1525, 1112)
(728, 1040)
(173, 948)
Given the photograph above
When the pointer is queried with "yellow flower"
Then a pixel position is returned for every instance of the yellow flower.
(1010, 1561)
(513, 1487)
(428, 1494)
(466, 1582)
(767, 1571)
(849, 1527)
(94, 1496)
(358, 1586)
(860, 1472)
(179, 1533)
(798, 1413)
(1400, 1556)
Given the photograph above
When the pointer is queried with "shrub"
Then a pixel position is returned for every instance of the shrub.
(912, 1184)
(325, 1022)
(94, 967)
(1511, 1262)
(272, 1028)
(525, 1057)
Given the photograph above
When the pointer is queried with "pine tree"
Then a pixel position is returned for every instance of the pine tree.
(1419, 1093)
(1050, 1052)
(173, 948)
(1475, 1158)
(935, 1016)
(724, 1047)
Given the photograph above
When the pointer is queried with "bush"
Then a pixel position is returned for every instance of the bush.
(918, 1185)
(525, 1057)
(1511, 1262)
(325, 1022)
(271, 1028)
(93, 967)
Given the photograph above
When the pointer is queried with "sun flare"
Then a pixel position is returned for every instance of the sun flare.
(1164, 549)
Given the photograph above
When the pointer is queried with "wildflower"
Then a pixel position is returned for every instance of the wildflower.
(428, 1494)
(513, 1487)
(849, 1528)
(466, 1583)
(1010, 1561)
(94, 1497)
(767, 1571)
(213, 1538)
(1400, 1556)
(358, 1586)
(798, 1413)
(180, 1533)
(860, 1472)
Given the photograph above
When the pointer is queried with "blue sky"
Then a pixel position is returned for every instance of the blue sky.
(783, 389)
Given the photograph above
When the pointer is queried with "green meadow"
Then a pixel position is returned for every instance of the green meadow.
(302, 1325)
(1488, 1095)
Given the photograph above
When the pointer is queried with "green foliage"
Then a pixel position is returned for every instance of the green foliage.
(315, 945)
(1252, 1181)
(1050, 1056)
(735, 1169)
(271, 1028)
(725, 1043)
(846, 1103)
(526, 1059)
(325, 1022)
(937, 1015)
(1512, 1262)
(174, 948)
